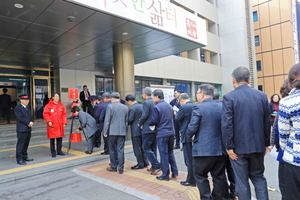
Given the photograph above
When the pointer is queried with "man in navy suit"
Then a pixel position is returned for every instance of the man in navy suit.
(97, 112)
(246, 134)
(148, 134)
(183, 116)
(5, 105)
(162, 119)
(24, 124)
(208, 151)
(134, 114)
(175, 102)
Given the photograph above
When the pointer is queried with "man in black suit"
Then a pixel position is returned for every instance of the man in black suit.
(135, 112)
(246, 134)
(24, 124)
(183, 117)
(84, 98)
(5, 105)
(208, 151)
(148, 134)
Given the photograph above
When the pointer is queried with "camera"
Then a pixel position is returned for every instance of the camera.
(71, 18)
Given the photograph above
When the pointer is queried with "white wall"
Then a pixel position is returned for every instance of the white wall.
(233, 41)
(174, 67)
(72, 78)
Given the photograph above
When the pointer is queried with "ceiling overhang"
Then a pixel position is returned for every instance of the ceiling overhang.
(40, 35)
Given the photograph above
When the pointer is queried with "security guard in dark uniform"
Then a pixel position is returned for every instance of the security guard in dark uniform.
(24, 124)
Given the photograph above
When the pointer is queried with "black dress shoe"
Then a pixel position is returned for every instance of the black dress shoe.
(137, 167)
(120, 171)
(176, 147)
(104, 153)
(174, 175)
(88, 152)
(146, 165)
(21, 162)
(161, 178)
(53, 155)
(28, 159)
(61, 154)
(184, 183)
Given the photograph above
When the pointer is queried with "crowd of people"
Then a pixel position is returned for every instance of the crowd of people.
(227, 138)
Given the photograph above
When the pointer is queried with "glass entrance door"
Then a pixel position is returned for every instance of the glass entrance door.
(41, 94)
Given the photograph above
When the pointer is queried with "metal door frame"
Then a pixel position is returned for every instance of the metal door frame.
(33, 101)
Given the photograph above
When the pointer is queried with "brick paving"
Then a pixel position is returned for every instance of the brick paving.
(142, 180)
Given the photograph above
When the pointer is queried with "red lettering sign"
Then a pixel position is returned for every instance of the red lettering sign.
(191, 28)
(73, 94)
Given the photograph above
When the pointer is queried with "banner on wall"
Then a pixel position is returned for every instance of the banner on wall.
(167, 90)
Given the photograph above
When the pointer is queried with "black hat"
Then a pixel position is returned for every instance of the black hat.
(92, 98)
(24, 96)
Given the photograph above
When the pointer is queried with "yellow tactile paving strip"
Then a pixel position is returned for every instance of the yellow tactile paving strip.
(141, 180)
(75, 155)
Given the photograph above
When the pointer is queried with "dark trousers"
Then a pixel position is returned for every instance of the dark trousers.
(22, 145)
(58, 145)
(149, 146)
(106, 146)
(281, 179)
(250, 166)
(6, 112)
(177, 134)
(116, 151)
(91, 143)
(97, 140)
(216, 166)
(188, 160)
(84, 105)
(292, 182)
(138, 151)
(165, 147)
(230, 177)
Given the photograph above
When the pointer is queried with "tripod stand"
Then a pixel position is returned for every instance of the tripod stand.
(71, 130)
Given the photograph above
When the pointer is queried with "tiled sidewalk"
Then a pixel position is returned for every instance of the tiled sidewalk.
(142, 181)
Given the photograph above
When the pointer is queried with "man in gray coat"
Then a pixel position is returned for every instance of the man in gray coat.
(89, 123)
(115, 125)
(135, 112)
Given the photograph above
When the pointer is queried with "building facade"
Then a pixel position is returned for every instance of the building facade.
(276, 42)
(74, 48)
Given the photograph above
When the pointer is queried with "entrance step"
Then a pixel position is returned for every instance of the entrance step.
(8, 134)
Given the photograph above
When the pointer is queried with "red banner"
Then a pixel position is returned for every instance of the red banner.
(73, 94)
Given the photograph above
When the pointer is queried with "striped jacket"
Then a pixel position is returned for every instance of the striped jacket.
(289, 127)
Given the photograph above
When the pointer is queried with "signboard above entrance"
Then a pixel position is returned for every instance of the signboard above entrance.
(159, 14)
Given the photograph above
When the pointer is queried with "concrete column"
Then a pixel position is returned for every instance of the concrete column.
(194, 54)
(164, 82)
(124, 69)
(193, 95)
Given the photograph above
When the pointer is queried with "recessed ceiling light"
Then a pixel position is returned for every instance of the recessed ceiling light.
(86, 69)
(77, 54)
(125, 33)
(18, 5)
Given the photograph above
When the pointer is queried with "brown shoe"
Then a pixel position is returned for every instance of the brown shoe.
(111, 169)
(155, 171)
(150, 170)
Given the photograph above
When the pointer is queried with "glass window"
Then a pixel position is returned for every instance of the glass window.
(202, 56)
(104, 84)
(256, 38)
(180, 85)
(258, 65)
(260, 87)
(141, 83)
(255, 16)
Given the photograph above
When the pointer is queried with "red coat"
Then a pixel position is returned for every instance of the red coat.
(55, 113)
